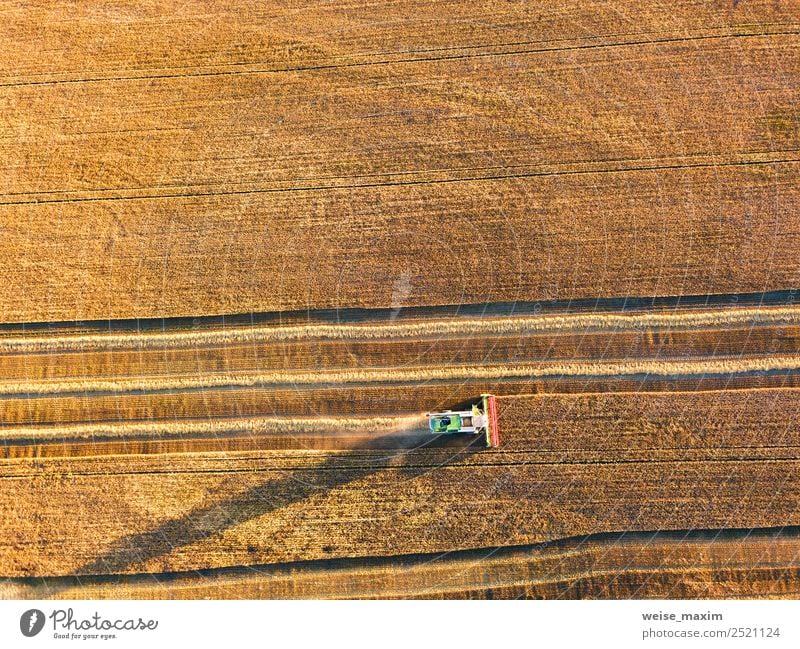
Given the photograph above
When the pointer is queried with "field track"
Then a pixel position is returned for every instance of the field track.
(244, 248)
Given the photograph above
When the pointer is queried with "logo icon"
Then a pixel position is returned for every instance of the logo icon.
(31, 622)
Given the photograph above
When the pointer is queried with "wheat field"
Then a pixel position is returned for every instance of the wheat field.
(246, 248)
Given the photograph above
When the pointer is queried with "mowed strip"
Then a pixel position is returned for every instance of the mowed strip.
(464, 327)
(601, 427)
(688, 564)
(662, 367)
(54, 368)
(241, 420)
(544, 428)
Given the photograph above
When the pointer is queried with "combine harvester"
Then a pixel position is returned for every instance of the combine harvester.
(481, 420)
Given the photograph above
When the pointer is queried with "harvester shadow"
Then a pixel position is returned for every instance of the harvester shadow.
(272, 495)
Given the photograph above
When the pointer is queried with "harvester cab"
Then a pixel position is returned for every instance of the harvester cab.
(480, 420)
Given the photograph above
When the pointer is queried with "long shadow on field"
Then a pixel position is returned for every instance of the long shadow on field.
(272, 495)
(570, 583)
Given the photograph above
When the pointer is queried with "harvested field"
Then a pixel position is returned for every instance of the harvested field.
(239, 269)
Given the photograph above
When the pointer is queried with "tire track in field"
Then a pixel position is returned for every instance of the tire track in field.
(455, 176)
